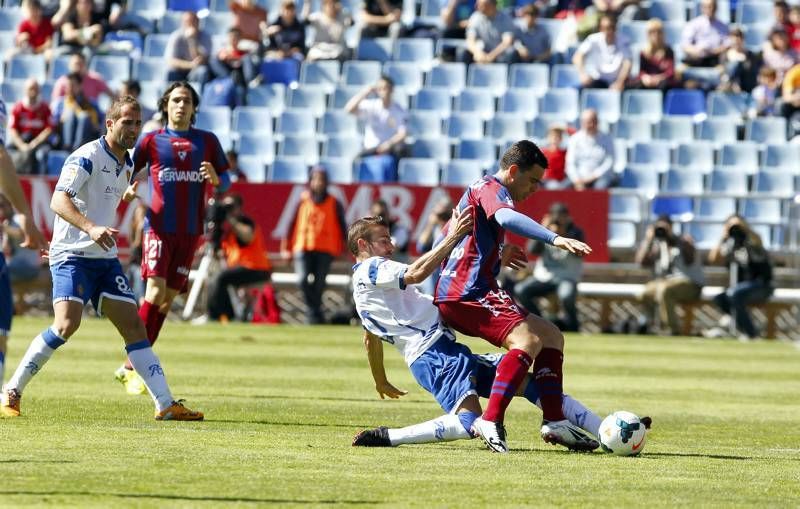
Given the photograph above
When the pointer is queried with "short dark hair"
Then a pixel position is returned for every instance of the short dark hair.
(530, 10)
(525, 154)
(133, 86)
(388, 80)
(162, 102)
(75, 76)
(361, 230)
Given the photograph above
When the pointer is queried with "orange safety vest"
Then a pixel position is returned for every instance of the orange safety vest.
(253, 256)
(317, 226)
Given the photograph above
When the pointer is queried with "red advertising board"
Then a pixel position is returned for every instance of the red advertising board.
(273, 207)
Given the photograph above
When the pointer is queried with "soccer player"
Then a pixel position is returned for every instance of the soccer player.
(10, 187)
(392, 311)
(182, 162)
(470, 300)
(84, 263)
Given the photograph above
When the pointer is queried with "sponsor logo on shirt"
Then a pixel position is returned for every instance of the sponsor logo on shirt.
(174, 175)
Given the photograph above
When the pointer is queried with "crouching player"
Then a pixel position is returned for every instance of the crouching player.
(84, 263)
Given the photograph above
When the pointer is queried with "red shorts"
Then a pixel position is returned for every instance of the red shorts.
(491, 317)
(168, 256)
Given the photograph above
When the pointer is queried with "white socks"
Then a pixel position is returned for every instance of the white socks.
(580, 416)
(148, 367)
(37, 355)
(442, 429)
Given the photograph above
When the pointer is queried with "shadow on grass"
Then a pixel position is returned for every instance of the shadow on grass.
(279, 423)
(313, 398)
(185, 497)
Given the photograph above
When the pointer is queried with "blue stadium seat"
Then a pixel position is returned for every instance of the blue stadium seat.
(560, 104)
(297, 123)
(464, 126)
(461, 172)
(632, 129)
(653, 154)
(214, 118)
(407, 76)
(22, 67)
(251, 119)
(718, 130)
(729, 182)
(169, 22)
(358, 73)
(685, 102)
(493, 77)
(347, 147)
(624, 206)
(341, 95)
(723, 10)
(506, 127)
(634, 31)
(729, 105)
(785, 157)
(683, 181)
(698, 156)
(111, 67)
(301, 146)
(124, 42)
(430, 13)
(217, 23)
(435, 148)
(715, 209)
(324, 73)
(755, 13)
(741, 157)
(415, 50)
(379, 49)
(673, 32)
(478, 101)
(642, 178)
(779, 183)
(705, 235)
(253, 167)
(480, 150)
(621, 234)
(12, 91)
(643, 103)
(620, 156)
(285, 71)
(675, 129)
(55, 160)
(340, 169)
(338, 123)
(433, 99)
(60, 67)
(755, 35)
(293, 170)
(606, 102)
(311, 98)
(7, 38)
(565, 76)
(451, 76)
(537, 128)
(677, 207)
(258, 144)
(766, 130)
(424, 124)
(155, 45)
(269, 96)
(762, 210)
(668, 11)
(533, 78)
(552, 26)
(10, 18)
(418, 171)
(519, 102)
(150, 69)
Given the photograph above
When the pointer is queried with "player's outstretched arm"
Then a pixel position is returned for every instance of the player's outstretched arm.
(374, 347)
(461, 224)
(62, 204)
(572, 245)
(10, 186)
(526, 227)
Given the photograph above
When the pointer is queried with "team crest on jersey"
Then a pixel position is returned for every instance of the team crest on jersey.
(182, 155)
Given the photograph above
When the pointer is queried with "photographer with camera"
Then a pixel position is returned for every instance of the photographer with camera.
(677, 274)
(239, 239)
(556, 270)
(750, 274)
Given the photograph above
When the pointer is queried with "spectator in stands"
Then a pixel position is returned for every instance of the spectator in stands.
(704, 38)
(777, 53)
(233, 62)
(35, 32)
(556, 271)
(766, 93)
(116, 16)
(188, 51)
(455, 16)
(780, 10)
(30, 130)
(58, 9)
(793, 27)
(236, 173)
(430, 236)
(77, 118)
(603, 59)
(134, 89)
(555, 176)
(245, 258)
(329, 26)
(789, 104)
(677, 274)
(490, 35)
(532, 40)
(742, 250)
(287, 36)
(82, 29)
(656, 61)
(397, 230)
(590, 155)
(564, 8)
(251, 20)
(92, 84)
(315, 237)
(385, 129)
(381, 18)
(23, 264)
(627, 10)
(740, 65)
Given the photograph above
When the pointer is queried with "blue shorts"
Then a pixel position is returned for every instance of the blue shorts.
(95, 279)
(6, 300)
(446, 370)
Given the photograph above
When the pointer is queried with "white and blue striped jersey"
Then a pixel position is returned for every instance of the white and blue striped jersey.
(400, 315)
(95, 181)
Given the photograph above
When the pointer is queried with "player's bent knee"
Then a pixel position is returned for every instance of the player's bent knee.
(66, 326)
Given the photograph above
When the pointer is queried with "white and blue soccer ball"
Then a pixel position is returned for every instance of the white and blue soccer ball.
(623, 434)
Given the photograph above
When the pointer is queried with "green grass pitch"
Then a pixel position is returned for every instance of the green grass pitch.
(283, 403)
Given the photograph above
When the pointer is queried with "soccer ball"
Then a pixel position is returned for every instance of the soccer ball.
(622, 434)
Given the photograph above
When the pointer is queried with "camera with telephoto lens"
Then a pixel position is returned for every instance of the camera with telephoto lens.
(216, 215)
(737, 233)
(661, 232)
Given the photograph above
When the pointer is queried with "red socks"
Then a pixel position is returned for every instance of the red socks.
(548, 377)
(153, 321)
(510, 373)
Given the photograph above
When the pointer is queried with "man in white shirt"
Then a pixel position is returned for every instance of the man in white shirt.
(604, 58)
(590, 155)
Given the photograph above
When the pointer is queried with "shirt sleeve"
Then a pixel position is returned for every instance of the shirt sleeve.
(140, 154)
(384, 273)
(74, 174)
(492, 198)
